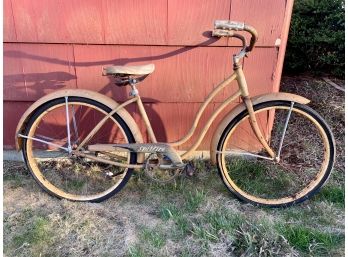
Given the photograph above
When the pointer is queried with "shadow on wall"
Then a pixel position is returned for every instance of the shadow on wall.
(39, 83)
(120, 61)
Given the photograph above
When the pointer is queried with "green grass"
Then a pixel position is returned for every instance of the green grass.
(216, 222)
(183, 227)
(317, 214)
(179, 216)
(36, 233)
(168, 211)
(309, 240)
(333, 194)
(194, 199)
(75, 184)
(15, 180)
(223, 219)
(259, 239)
(260, 179)
(15, 174)
(135, 251)
(153, 237)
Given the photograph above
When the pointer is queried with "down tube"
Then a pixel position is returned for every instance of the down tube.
(210, 121)
(202, 108)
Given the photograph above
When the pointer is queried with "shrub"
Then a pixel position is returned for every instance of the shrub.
(316, 38)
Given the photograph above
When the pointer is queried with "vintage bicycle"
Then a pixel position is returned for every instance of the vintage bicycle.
(270, 150)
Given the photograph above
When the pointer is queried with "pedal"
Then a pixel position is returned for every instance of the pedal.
(189, 170)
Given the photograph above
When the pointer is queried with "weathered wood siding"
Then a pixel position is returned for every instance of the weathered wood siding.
(52, 44)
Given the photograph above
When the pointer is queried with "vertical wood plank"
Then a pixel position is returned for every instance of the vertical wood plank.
(83, 21)
(75, 21)
(12, 112)
(14, 81)
(190, 75)
(265, 15)
(191, 22)
(135, 22)
(37, 22)
(9, 26)
(259, 70)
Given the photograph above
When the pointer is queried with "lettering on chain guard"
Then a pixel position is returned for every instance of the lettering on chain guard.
(139, 148)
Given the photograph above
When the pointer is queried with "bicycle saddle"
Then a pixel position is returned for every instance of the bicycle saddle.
(129, 70)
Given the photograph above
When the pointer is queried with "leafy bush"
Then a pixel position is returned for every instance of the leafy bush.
(316, 38)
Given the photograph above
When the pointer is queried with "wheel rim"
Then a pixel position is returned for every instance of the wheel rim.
(247, 184)
(70, 177)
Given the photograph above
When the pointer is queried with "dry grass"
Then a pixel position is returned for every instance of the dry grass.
(194, 217)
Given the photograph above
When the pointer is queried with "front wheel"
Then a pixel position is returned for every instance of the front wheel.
(299, 137)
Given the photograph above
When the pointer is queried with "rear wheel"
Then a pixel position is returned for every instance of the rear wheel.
(306, 156)
(66, 175)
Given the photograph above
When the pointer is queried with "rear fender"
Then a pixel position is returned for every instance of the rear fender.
(79, 93)
(241, 107)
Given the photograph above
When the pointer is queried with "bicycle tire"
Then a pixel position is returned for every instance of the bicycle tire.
(324, 175)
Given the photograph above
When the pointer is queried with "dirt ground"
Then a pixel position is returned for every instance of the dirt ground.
(194, 217)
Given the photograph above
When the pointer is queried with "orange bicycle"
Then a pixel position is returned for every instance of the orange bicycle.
(270, 150)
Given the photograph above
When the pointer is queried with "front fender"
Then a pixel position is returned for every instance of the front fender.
(241, 107)
(78, 93)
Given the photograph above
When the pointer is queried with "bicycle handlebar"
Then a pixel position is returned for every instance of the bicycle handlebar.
(225, 28)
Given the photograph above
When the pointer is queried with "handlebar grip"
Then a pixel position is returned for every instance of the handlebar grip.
(230, 25)
(223, 27)
(222, 33)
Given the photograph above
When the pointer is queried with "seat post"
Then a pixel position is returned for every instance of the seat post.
(134, 92)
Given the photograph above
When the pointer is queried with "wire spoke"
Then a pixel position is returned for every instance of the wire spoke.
(284, 130)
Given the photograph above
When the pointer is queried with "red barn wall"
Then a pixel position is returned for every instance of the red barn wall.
(52, 44)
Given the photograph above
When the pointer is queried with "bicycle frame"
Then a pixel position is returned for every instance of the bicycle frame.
(242, 91)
